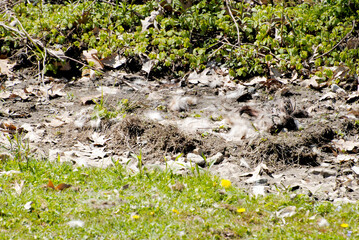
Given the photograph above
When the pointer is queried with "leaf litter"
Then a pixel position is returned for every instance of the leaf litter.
(278, 122)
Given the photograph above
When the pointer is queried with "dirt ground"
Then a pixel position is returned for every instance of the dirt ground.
(264, 134)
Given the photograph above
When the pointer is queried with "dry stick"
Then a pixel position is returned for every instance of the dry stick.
(130, 85)
(43, 68)
(77, 61)
(214, 52)
(336, 45)
(251, 44)
(26, 35)
(29, 37)
(235, 22)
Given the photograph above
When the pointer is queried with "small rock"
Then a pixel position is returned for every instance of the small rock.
(178, 167)
(258, 190)
(324, 164)
(216, 159)
(236, 93)
(194, 158)
(335, 88)
(328, 173)
(315, 171)
(343, 201)
(244, 163)
(28, 206)
(198, 151)
(261, 181)
(76, 223)
(355, 169)
(244, 97)
(226, 170)
(328, 96)
(311, 83)
(323, 222)
(323, 171)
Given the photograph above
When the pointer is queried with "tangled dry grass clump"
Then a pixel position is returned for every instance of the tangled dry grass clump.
(292, 148)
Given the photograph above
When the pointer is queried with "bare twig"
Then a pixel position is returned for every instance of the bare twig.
(38, 44)
(336, 45)
(251, 44)
(35, 43)
(130, 85)
(235, 22)
(43, 67)
(214, 52)
(77, 61)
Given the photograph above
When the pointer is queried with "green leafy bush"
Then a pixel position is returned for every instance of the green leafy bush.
(183, 38)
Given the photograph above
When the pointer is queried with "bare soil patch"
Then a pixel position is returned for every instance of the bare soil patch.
(306, 138)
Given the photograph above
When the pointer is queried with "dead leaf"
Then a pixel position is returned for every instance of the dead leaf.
(147, 66)
(18, 187)
(8, 126)
(89, 99)
(256, 80)
(113, 61)
(56, 90)
(258, 171)
(5, 67)
(346, 146)
(59, 187)
(28, 206)
(50, 185)
(62, 186)
(56, 123)
(17, 93)
(98, 140)
(5, 95)
(178, 186)
(286, 212)
(91, 58)
(249, 111)
(148, 21)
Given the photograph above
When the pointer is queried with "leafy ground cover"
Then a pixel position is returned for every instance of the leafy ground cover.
(113, 203)
(246, 38)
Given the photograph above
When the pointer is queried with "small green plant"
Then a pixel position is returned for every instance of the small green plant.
(205, 134)
(100, 111)
(216, 118)
(139, 162)
(70, 96)
(20, 149)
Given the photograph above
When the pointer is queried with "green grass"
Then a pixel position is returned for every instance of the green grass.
(116, 204)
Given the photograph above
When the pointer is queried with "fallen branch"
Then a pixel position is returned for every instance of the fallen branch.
(235, 22)
(38, 44)
(251, 44)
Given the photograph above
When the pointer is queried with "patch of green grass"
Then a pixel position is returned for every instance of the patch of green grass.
(114, 203)
(101, 110)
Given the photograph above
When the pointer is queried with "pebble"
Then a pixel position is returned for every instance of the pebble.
(194, 158)
(323, 171)
(218, 158)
